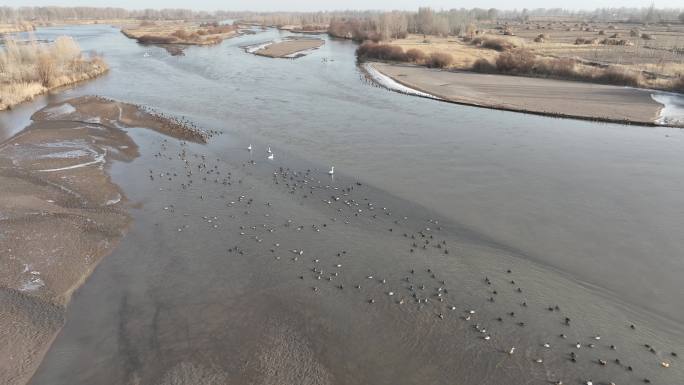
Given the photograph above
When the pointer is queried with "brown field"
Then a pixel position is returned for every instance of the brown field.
(648, 56)
(289, 47)
(655, 48)
(180, 32)
(464, 54)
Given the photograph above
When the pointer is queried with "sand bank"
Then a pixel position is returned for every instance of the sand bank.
(16, 27)
(532, 95)
(291, 48)
(179, 32)
(59, 215)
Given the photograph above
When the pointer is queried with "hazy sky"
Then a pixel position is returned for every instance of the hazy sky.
(311, 5)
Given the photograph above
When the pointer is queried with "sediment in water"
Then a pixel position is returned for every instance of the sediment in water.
(60, 214)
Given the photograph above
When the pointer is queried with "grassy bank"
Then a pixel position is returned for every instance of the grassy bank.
(30, 69)
(16, 27)
(179, 32)
(511, 56)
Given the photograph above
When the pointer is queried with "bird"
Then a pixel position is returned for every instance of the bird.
(332, 170)
(270, 156)
(249, 148)
(269, 150)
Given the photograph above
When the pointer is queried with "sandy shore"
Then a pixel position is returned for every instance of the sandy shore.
(532, 95)
(289, 48)
(180, 33)
(59, 215)
(17, 27)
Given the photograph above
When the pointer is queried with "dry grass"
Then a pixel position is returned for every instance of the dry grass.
(463, 54)
(524, 62)
(616, 59)
(27, 70)
(179, 32)
(16, 27)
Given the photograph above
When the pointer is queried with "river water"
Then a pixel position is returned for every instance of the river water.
(590, 214)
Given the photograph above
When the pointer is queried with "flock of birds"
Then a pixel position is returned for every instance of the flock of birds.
(271, 156)
(420, 286)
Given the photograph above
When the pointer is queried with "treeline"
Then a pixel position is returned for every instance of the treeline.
(636, 15)
(50, 13)
(397, 24)
(425, 20)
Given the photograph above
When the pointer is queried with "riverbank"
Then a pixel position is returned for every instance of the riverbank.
(34, 69)
(290, 48)
(180, 32)
(60, 214)
(16, 27)
(531, 95)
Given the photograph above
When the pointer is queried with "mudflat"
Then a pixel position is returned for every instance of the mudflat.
(532, 95)
(289, 47)
(59, 215)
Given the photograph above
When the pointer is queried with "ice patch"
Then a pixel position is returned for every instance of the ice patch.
(256, 47)
(73, 154)
(673, 110)
(114, 201)
(298, 54)
(389, 83)
(33, 283)
(62, 109)
(98, 159)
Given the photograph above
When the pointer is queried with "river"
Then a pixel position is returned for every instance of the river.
(598, 207)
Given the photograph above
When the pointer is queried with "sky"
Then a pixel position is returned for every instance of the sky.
(315, 5)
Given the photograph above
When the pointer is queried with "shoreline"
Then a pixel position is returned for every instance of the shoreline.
(287, 49)
(58, 203)
(489, 100)
(37, 89)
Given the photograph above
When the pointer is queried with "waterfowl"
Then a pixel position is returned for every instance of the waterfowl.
(332, 170)
(249, 148)
(270, 156)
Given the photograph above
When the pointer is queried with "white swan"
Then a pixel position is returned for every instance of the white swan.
(249, 148)
(270, 156)
(269, 150)
(332, 170)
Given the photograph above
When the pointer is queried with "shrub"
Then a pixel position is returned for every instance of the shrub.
(152, 39)
(30, 69)
(620, 76)
(678, 84)
(483, 66)
(415, 55)
(561, 68)
(541, 38)
(516, 61)
(439, 60)
(581, 40)
(371, 50)
(495, 43)
(181, 34)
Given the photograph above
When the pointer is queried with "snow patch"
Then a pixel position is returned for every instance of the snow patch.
(389, 83)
